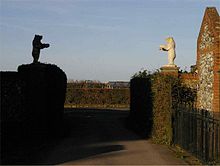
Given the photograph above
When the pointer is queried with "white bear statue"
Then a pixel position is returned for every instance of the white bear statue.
(170, 48)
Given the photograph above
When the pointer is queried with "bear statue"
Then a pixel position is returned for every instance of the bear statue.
(170, 48)
(37, 46)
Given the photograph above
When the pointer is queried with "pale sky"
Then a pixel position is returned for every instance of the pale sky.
(100, 39)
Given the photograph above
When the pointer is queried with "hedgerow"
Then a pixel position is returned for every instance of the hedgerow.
(80, 97)
(153, 100)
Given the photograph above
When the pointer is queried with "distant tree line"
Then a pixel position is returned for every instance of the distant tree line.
(98, 84)
(86, 84)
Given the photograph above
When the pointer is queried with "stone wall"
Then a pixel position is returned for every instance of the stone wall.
(208, 61)
(206, 80)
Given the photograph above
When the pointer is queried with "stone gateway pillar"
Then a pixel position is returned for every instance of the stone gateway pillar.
(208, 61)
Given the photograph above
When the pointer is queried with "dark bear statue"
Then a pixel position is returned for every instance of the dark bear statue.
(37, 46)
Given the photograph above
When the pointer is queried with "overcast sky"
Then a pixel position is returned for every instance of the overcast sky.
(100, 39)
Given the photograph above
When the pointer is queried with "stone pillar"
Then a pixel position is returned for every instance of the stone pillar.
(170, 70)
(208, 61)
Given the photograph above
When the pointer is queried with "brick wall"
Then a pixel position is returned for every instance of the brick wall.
(189, 79)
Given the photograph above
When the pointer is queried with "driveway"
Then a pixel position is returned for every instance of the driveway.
(93, 137)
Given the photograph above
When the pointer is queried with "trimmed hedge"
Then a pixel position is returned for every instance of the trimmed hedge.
(153, 100)
(32, 105)
(163, 88)
(80, 97)
(12, 97)
(141, 106)
(32, 99)
(44, 94)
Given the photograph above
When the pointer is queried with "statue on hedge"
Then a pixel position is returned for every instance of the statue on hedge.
(37, 46)
(170, 48)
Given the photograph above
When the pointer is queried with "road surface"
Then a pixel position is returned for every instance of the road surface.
(94, 137)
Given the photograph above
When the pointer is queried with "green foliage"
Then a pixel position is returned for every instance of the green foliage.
(85, 84)
(165, 93)
(162, 107)
(141, 74)
(141, 106)
(32, 101)
(12, 97)
(80, 97)
(44, 93)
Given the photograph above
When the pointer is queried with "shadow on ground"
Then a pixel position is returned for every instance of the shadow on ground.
(84, 133)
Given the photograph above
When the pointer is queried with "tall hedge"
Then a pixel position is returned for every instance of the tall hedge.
(44, 94)
(32, 104)
(12, 97)
(12, 110)
(141, 105)
(163, 88)
(154, 97)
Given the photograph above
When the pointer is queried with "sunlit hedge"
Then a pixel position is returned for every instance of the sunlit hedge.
(153, 100)
(80, 97)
